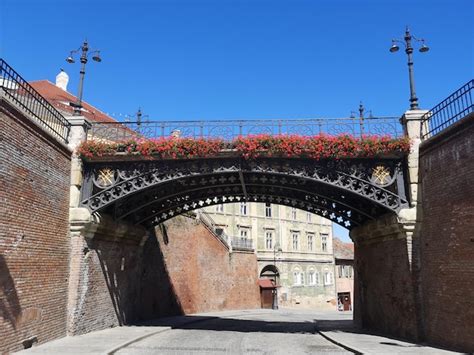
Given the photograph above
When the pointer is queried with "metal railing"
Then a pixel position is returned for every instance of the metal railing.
(242, 243)
(211, 224)
(457, 106)
(230, 129)
(21, 93)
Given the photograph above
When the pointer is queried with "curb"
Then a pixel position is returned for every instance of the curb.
(141, 337)
(348, 348)
(335, 342)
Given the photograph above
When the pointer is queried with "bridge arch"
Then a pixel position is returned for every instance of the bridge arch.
(149, 192)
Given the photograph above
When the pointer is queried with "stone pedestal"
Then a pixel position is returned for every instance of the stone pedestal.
(412, 124)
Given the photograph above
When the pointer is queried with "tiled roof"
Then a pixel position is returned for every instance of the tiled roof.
(60, 99)
(343, 250)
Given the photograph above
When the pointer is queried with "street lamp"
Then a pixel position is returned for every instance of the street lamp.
(361, 118)
(276, 249)
(84, 54)
(409, 51)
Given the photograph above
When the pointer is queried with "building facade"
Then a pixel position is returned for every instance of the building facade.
(344, 258)
(293, 247)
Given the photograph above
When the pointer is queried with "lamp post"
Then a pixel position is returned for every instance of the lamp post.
(361, 118)
(83, 59)
(276, 249)
(409, 51)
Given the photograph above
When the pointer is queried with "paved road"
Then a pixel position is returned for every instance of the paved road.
(258, 331)
(250, 332)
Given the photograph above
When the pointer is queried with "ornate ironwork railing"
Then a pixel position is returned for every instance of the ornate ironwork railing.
(21, 93)
(458, 105)
(230, 129)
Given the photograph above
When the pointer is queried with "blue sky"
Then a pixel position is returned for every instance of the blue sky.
(227, 59)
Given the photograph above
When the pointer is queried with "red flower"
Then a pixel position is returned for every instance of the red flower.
(250, 147)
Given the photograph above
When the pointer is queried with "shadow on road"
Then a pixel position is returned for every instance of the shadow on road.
(246, 325)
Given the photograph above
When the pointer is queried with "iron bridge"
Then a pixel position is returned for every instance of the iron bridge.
(148, 192)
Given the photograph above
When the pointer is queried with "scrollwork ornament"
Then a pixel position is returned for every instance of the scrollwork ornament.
(105, 177)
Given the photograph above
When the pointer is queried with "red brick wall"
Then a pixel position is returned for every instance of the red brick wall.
(119, 281)
(384, 296)
(34, 243)
(447, 237)
(205, 277)
(109, 286)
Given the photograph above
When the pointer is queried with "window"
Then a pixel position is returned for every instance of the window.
(344, 271)
(298, 278)
(269, 240)
(220, 207)
(244, 233)
(324, 242)
(313, 278)
(308, 216)
(327, 278)
(293, 213)
(268, 210)
(243, 208)
(295, 241)
(310, 242)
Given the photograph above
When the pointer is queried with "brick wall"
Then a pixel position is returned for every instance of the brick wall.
(117, 277)
(123, 275)
(384, 293)
(205, 277)
(34, 244)
(447, 238)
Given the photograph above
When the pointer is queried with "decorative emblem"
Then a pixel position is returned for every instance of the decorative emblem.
(104, 178)
(381, 176)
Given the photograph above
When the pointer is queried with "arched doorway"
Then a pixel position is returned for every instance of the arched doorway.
(268, 282)
(270, 272)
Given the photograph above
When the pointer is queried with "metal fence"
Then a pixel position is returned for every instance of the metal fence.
(452, 109)
(21, 93)
(230, 129)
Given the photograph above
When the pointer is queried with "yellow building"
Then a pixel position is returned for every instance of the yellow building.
(293, 246)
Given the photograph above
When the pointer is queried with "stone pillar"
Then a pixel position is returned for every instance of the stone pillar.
(412, 218)
(82, 226)
(411, 122)
(79, 128)
(78, 134)
(80, 219)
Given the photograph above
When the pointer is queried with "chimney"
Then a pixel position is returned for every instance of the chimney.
(62, 79)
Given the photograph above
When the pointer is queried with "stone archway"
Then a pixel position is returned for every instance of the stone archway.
(270, 271)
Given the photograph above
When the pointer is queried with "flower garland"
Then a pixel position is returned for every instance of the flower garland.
(249, 147)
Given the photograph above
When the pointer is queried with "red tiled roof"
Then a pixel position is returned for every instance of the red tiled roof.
(60, 99)
(343, 250)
